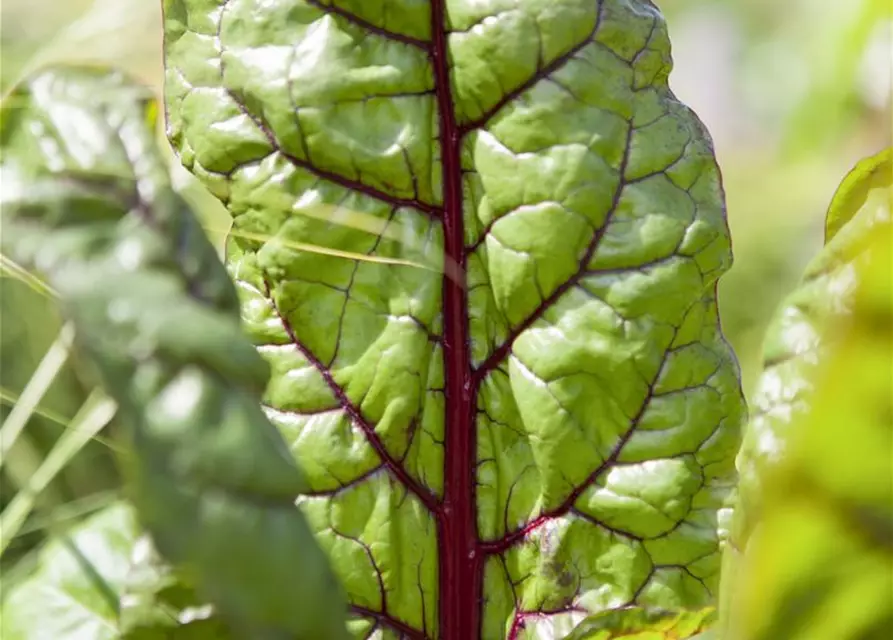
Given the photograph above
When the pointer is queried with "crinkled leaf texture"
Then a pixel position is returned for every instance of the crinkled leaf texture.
(812, 541)
(644, 624)
(541, 423)
(87, 203)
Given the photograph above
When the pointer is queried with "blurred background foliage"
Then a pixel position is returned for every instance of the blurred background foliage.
(794, 93)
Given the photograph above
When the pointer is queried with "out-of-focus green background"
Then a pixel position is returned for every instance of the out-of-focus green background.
(793, 92)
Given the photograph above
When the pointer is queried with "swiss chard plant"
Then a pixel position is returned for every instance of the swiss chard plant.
(462, 375)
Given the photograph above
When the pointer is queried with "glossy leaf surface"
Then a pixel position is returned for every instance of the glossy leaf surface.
(87, 204)
(545, 429)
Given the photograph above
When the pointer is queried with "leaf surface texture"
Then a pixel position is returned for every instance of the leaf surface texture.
(541, 424)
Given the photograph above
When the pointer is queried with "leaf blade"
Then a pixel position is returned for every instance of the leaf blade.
(93, 416)
(87, 201)
(490, 424)
(37, 386)
(874, 172)
(72, 592)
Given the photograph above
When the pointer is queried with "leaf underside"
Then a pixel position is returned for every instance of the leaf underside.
(549, 433)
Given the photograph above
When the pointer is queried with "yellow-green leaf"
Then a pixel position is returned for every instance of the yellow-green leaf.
(814, 560)
(644, 624)
(871, 173)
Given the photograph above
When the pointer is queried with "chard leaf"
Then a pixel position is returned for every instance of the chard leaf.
(545, 430)
(818, 557)
(88, 204)
(644, 624)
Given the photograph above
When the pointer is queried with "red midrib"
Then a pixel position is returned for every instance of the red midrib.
(460, 559)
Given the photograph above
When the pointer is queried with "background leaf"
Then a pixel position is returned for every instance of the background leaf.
(87, 203)
(157, 603)
(799, 338)
(872, 175)
(73, 592)
(813, 539)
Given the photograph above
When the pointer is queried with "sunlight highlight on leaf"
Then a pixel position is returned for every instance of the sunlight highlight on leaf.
(645, 624)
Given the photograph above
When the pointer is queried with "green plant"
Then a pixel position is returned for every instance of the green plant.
(812, 542)
(484, 302)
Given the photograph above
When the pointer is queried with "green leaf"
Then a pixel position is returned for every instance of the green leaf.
(644, 624)
(796, 341)
(548, 431)
(818, 563)
(157, 603)
(812, 539)
(74, 590)
(871, 175)
(87, 203)
(103, 580)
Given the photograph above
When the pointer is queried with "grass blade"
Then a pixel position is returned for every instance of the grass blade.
(9, 398)
(10, 269)
(37, 386)
(94, 414)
